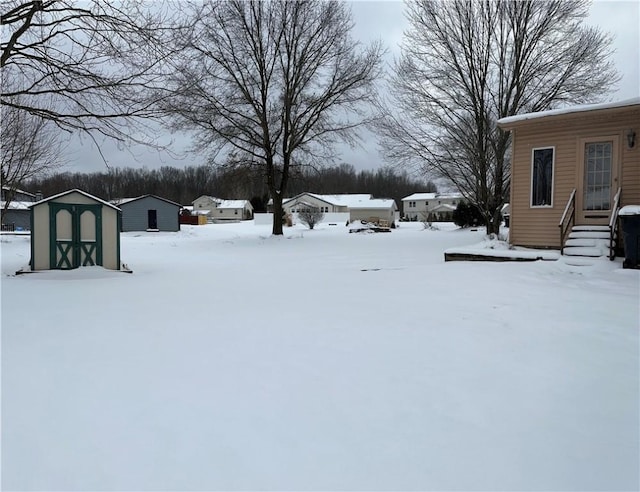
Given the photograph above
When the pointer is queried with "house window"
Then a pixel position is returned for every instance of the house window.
(426, 203)
(542, 177)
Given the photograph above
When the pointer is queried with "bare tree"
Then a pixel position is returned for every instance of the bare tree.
(30, 148)
(87, 66)
(272, 84)
(465, 64)
(310, 216)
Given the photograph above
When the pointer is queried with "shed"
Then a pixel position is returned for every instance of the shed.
(74, 229)
(149, 213)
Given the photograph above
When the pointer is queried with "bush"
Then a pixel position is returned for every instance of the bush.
(310, 216)
(467, 215)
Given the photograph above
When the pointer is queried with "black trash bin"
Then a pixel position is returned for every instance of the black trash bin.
(630, 222)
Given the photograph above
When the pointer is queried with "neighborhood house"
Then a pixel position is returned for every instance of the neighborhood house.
(430, 206)
(14, 207)
(217, 209)
(350, 207)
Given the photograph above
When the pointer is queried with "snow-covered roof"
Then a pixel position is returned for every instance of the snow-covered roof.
(345, 200)
(122, 201)
(13, 205)
(433, 196)
(211, 198)
(18, 190)
(569, 110)
(232, 203)
(76, 190)
(443, 207)
(375, 203)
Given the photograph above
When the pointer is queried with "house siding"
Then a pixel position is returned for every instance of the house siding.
(538, 227)
(19, 218)
(135, 214)
(369, 213)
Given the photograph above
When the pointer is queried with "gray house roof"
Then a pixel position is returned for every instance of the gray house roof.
(124, 201)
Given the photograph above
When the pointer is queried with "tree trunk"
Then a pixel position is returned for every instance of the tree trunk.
(493, 224)
(277, 214)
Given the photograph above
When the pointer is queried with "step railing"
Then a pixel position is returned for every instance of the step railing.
(613, 225)
(568, 219)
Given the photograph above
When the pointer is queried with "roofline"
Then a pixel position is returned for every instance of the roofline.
(147, 196)
(511, 121)
(317, 197)
(18, 190)
(48, 199)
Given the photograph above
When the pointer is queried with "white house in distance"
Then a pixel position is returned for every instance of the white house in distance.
(337, 208)
(219, 209)
(441, 205)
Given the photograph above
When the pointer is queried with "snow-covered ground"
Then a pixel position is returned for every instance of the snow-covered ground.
(322, 360)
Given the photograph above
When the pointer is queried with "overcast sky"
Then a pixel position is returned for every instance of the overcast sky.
(383, 20)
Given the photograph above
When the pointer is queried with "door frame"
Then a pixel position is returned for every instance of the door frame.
(74, 252)
(596, 217)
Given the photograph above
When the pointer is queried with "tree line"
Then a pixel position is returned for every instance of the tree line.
(268, 89)
(185, 185)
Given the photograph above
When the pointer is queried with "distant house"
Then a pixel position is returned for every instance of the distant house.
(74, 229)
(380, 211)
(204, 204)
(325, 203)
(218, 209)
(439, 206)
(233, 210)
(349, 207)
(17, 215)
(572, 169)
(149, 213)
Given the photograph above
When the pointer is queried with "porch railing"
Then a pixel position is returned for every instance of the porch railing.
(613, 225)
(568, 219)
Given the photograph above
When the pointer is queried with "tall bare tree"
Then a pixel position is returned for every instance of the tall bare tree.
(272, 83)
(86, 66)
(30, 147)
(465, 64)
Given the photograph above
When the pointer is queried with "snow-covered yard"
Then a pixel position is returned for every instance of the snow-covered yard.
(322, 360)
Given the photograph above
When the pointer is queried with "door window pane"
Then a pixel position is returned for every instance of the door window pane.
(597, 177)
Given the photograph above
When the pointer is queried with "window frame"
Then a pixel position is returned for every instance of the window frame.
(553, 175)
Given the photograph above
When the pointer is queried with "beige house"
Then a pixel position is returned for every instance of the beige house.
(204, 204)
(381, 211)
(219, 209)
(572, 169)
(232, 210)
(440, 205)
(74, 229)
